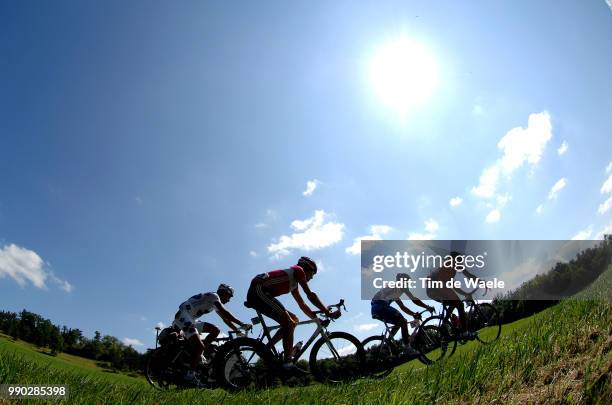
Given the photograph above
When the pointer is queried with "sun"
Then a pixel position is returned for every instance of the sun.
(403, 74)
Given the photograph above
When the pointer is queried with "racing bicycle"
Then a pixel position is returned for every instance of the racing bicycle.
(166, 365)
(484, 323)
(334, 357)
(383, 352)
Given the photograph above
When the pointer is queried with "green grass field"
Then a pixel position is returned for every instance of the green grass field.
(561, 355)
(62, 361)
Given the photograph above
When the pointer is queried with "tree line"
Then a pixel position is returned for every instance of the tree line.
(35, 329)
(564, 279)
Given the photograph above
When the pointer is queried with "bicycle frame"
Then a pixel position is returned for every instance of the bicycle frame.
(321, 331)
(391, 330)
(469, 301)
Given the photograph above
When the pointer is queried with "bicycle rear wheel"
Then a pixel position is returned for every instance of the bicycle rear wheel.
(379, 356)
(159, 372)
(486, 322)
(337, 357)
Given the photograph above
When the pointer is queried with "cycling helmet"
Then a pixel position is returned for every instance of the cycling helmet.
(306, 263)
(224, 287)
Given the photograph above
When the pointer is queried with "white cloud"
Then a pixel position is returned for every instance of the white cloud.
(493, 216)
(502, 200)
(522, 145)
(253, 253)
(132, 342)
(605, 206)
(63, 284)
(478, 110)
(366, 327)
(539, 209)
(376, 233)
(311, 186)
(609, 168)
(607, 186)
(558, 186)
(584, 234)
(24, 265)
(455, 201)
(431, 225)
(143, 318)
(519, 146)
(562, 149)
(260, 225)
(487, 183)
(431, 229)
(312, 233)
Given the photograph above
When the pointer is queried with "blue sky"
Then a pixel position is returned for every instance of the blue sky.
(151, 151)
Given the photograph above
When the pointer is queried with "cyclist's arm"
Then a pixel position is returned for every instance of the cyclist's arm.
(405, 308)
(417, 301)
(312, 297)
(227, 317)
(300, 301)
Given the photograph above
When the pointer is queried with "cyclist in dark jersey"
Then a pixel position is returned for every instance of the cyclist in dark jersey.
(267, 286)
(448, 296)
(383, 311)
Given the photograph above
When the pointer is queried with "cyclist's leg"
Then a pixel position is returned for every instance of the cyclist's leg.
(453, 301)
(449, 298)
(211, 330)
(386, 313)
(188, 325)
(271, 307)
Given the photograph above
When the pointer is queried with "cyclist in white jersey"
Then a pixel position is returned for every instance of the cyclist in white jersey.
(196, 306)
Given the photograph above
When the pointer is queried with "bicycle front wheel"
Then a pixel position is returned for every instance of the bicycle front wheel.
(431, 343)
(379, 356)
(337, 357)
(243, 363)
(444, 338)
(486, 322)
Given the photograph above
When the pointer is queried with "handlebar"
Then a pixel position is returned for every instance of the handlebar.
(241, 332)
(339, 306)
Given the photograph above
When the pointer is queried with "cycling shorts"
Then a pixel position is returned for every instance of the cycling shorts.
(383, 311)
(262, 300)
(190, 326)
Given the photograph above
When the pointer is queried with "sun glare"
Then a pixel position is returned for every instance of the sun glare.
(403, 74)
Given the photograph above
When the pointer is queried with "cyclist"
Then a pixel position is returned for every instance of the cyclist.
(186, 320)
(448, 296)
(383, 311)
(266, 287)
